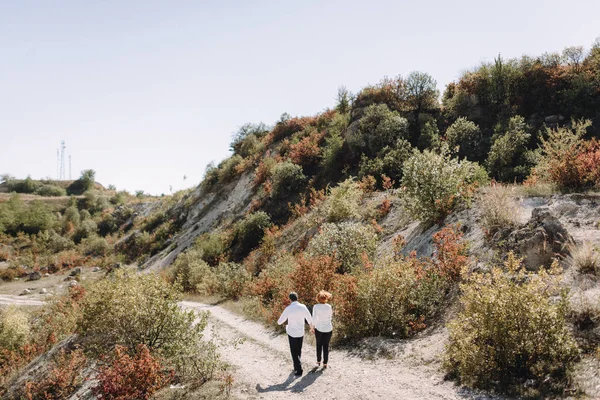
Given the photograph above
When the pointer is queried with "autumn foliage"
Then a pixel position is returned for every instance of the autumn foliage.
(135, 376)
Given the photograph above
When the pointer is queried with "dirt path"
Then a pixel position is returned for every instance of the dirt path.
(263, 367)
(7, 300)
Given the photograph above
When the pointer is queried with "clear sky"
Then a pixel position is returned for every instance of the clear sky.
(145, 92)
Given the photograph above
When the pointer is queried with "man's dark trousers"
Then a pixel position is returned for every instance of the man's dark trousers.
(296, 349)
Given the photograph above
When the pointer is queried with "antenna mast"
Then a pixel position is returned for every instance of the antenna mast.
(62, 160)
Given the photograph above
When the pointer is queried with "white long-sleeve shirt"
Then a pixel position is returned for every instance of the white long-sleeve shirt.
(322, 317)
(295, 314)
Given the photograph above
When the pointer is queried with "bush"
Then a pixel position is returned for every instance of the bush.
(70, 219)
(51, 191)
(466, 135)
(394, 299)
(87, 229)
(565, 158)
(499, 209)
(430, 137)
(245, 141)
(334, 142)
(63, 378)
(212, 247)
(436, 184)
(288, 179)
(31, 218)
(248, 233)
(27, 185)
(347, 242)
(85, 182)
(379, 127)
(231, 279)
(127, 377)
(389, 163)
(226, 169)
(343, 202)
(14, 328)
(138, 309)
(193, 273)
(53, 242)
(586, 259)
(509, 159)
(94, 202)
(307, 151)
(510, 330)
(95, 246)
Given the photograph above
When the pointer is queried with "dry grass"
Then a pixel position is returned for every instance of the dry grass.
(499, 208)
(585, 258)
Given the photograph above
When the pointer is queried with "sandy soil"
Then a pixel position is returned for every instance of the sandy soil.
(263, 367)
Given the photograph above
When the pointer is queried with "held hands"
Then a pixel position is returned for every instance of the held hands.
(312, 329)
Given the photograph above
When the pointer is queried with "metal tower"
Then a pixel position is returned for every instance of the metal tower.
(62, 160)
(70, 167)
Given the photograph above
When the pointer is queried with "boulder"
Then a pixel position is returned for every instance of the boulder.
(73, 283)
(95, 269)
(540, 241)
(75, 272)
(34, 276)
(25, 292)
(53, 268)
(69, 278)
(44, 291)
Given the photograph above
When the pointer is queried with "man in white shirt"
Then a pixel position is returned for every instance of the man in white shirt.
(295, 314)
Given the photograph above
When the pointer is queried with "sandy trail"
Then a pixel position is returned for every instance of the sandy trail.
(263, 367)
(7, 300)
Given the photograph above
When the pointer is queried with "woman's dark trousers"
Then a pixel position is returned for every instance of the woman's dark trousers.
(323, 339)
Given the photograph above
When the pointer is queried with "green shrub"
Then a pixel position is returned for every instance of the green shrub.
(134, 309)
(510, 330)
(226, 170)
(51, 191)
(53, 242)
(249, 232)
(436, 184)
(95, 246)
(193, 273)
(14, 328)
(466, 135)
(86, 229)
(509, 159)
(288, 179)
(212, 247)
(94, 202)
(379, 127)
(334, 142)
(389, 162)
(343, 202)
(394, 299)
(85, 182)
(348, 242)
(26, 185)
(231, 279)
(246, 141)
(31, 218)
(430, 136)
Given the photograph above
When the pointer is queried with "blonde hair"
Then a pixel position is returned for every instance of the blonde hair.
(323, 297)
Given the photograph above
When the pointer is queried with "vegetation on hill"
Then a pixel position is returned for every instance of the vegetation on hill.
(319, 192)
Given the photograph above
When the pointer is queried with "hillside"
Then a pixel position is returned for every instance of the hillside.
(462, 236)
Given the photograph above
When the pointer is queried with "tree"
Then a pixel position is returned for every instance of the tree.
(246, 138)
(466, 135)
(506, 160)
(344, 100)
(379, 127)
(421, 91)
(574, 56)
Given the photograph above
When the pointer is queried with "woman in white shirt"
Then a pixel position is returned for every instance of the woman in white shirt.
(323, 328)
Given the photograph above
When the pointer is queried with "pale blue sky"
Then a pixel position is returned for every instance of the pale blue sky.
(145, 92)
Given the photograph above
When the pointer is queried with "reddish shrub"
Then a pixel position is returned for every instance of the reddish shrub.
(289, 127)
(367, 184)
(384, 208)
(451, 251)
(127, 377)
(63, 378)
(307, 151)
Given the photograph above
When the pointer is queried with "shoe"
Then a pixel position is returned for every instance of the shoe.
(324, 366)
(318, 364)
(299, 373)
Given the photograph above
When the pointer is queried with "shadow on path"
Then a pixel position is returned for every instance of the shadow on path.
(306, 380)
